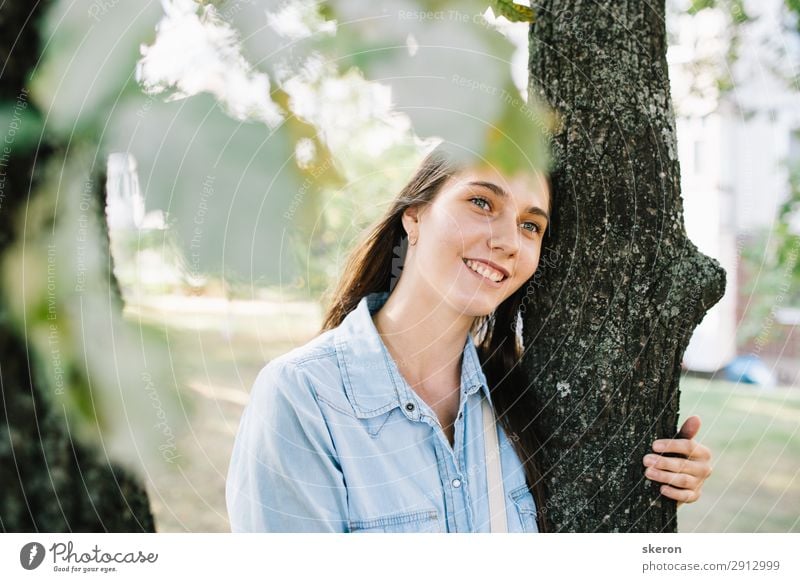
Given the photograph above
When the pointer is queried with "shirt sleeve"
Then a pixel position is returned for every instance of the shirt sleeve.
(284, 474)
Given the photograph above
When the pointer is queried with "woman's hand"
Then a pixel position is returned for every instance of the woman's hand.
(682, 477)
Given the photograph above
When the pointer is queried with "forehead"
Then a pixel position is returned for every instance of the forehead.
(526, 188)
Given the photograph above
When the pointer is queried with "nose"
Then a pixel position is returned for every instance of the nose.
(504, 236)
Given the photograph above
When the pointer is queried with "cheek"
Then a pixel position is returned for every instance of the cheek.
(447, 233)
(528, 264)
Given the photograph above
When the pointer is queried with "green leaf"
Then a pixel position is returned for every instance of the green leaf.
(698, 5)
(737, 12)
(515, 12)
(517, 140)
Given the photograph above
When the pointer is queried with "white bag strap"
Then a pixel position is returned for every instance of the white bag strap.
(494, 476)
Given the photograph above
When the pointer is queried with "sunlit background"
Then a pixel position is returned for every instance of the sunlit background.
(248, 143)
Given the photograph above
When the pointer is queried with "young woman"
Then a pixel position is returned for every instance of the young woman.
(381, 423)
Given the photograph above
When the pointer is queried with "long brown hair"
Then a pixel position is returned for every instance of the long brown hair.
(370, 268)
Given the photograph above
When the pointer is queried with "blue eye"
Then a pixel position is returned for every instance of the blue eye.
(535, 227)
(488, 206)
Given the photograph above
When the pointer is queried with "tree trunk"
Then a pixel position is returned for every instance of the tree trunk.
(49, 482)
(620, 288)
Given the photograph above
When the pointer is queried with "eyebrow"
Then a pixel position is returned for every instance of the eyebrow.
(500, 193)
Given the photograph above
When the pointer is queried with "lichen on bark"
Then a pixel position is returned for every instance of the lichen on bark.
(613, 316)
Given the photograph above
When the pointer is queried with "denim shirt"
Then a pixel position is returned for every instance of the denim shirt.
(333, 439)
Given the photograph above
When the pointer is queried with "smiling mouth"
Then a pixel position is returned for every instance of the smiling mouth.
(485, 271)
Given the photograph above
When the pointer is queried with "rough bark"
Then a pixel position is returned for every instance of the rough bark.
(621, 287)
(49, 482)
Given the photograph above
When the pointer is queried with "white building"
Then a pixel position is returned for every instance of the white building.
(733, 149)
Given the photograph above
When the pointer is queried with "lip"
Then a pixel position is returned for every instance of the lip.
(484, 279)
(494, 266)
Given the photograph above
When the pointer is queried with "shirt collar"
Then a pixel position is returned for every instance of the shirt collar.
(372, 380)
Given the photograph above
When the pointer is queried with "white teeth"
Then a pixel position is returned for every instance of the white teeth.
(487, 272)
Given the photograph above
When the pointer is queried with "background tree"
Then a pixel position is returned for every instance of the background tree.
(55, 478)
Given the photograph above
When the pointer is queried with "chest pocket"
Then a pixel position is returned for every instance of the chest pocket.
(525, 508)
(426, 521)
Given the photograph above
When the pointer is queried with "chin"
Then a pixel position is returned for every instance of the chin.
(474, 305)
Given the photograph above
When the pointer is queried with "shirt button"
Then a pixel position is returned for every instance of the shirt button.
(410, 407)
(456, 483)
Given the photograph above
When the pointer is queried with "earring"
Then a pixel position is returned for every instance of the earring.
(412, 240)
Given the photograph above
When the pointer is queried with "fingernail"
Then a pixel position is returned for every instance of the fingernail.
(658, 446)
(649, 459)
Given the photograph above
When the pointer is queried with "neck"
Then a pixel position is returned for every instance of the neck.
(426, 338)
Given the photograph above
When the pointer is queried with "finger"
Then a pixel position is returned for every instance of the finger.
(681, 480)
(682, 495)
(700, 468)
(690, 428)
(688, 447)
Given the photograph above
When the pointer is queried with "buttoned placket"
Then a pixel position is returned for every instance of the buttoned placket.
(450, 460)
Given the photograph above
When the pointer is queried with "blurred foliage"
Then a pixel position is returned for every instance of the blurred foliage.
(771, 263)
(107, 379)
(736, 14)
(356, 95)
(89, 362)
(765, 282)
(787, 231)
(514, 12)
(770, 258)
(269, 139)
(710, 68)
(794, 7)
(735, 8)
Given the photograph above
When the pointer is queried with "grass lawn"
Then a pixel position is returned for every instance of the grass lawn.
(753, 434)
(220, 347)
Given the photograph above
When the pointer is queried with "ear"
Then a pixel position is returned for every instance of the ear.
(411, 219)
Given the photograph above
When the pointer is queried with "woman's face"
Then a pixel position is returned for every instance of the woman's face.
(480, 239)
